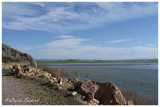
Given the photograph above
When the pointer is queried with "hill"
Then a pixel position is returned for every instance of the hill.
(10, 55)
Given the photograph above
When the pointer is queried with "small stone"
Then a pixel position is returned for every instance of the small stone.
(50, 81)
(60, 81)
(65, 80)
(74, 93)
(130, 103)
(83, 97)
(54, 79)
(93, 102)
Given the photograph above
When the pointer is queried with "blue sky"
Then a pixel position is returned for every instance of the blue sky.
(93, 30)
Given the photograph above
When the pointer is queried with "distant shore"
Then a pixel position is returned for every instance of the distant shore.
(97, 61)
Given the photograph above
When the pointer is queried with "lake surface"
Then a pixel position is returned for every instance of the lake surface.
(142, 77)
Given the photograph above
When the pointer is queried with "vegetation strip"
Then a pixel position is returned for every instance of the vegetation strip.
(132, 61)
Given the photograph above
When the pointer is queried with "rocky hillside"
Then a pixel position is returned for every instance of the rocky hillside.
(10, 55)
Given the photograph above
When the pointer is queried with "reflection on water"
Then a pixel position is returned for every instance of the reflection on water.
(142, 77)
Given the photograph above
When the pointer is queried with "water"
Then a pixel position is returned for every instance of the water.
(142, 77)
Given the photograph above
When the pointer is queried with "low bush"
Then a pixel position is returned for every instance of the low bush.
(42, 81)
(58, 73)
(75, 73)
(86, 75)
(54, 72)
(6, 72)
(137, 99)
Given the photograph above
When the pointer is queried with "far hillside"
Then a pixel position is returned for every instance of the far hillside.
(96, 61)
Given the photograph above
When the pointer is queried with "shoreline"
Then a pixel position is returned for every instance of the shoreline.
(67, 62)
(82, 77)
(92, 64)
(94, 84)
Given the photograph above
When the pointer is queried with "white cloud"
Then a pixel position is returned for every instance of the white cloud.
(70, 47)
(64, 43)
(66, 36)
(69, 17)
(17, 9)
(118, 41)
(151, 45)
(145, 49)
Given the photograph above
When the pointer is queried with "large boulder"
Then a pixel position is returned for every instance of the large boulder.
(30, 69)
(75, 82)
(109, 94)
(88, 89)
(99, 93)
(10, 55)
(47, 75)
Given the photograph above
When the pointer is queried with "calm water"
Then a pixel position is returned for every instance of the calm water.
(142, 77)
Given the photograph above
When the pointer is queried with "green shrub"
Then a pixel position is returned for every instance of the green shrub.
(41, 76)
(53, 86)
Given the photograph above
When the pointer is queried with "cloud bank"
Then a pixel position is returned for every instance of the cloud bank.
(69, 47)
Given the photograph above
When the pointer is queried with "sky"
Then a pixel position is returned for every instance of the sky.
(82, 30)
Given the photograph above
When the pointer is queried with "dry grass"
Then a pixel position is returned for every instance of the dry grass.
(58, 73)
(86, 75)
(64, 72)
(137, 99)
(54, 72)
(75, 73)
(11, 63)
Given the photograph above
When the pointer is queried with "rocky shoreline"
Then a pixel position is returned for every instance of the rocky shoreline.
(90, 92)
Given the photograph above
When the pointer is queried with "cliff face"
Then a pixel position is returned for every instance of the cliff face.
(11, 55)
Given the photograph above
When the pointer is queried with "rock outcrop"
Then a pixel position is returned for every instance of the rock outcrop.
(100, 93)
(10, 55)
